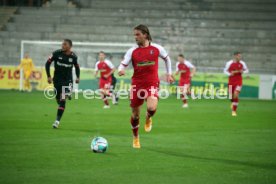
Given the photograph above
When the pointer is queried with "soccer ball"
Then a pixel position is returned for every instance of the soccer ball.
(99, 145)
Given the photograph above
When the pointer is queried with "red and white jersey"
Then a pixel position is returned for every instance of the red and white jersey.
(184, 69)
(104, 67)
(145, 62)
(230, 66)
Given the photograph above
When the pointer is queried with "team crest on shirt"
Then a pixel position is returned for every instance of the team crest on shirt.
(151, 52)
(70, 60)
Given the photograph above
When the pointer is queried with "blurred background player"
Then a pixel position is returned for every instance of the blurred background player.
(145, 81)
(186, 70)
(234, 69)
(27, 65)
(106, 69)
(64, 60)
(115, 97)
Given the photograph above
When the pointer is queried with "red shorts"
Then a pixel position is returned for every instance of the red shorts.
(184, 87)
(182, 83)
(104, 84)
(234, 87)
(139, 93)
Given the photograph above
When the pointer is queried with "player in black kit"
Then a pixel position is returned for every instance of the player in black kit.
(64, 60)
(115, 98)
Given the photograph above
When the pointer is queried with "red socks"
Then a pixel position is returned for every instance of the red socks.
(235, 103)
(184, 100)
(105, 100)
(150, 113)
(135, 126)
(135, 122)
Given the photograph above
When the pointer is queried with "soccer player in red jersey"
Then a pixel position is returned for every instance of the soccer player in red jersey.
(186, 70)
(106, 69)
(145, 81)
(234, 69)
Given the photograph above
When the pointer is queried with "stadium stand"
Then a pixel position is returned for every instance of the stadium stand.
(206, 31)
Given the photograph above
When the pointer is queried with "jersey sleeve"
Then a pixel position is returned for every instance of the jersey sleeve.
(189, 64)
(109, 64)
(176, 67)
(245, 69)
(126, 60)
(226, 68)
(164, 55)
(77, 67)
(52, 57)
(48, 64)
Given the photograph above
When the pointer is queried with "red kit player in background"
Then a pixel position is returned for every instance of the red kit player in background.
(106, 69)
(234, 69)
(186, 70)
(145, 81)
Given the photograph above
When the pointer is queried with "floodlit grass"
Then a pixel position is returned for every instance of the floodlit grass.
(202, 144)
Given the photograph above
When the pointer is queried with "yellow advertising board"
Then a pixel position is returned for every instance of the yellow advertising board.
(10, 78)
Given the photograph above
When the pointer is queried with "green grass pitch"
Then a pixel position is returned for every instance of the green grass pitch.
(202, 144)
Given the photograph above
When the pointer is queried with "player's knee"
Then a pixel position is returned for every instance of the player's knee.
(135, 117)
(236, 94)
(151, 108)
(135, 114)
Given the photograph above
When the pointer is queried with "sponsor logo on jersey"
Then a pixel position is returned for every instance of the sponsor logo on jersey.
(60, 58)
(146, 63)
(64, 65)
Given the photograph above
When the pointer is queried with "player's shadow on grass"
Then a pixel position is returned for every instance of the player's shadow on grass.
(268, 166)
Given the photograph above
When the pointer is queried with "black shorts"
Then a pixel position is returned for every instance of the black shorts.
(65, 88)
(113, 83)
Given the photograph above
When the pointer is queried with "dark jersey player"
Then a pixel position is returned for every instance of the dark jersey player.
(64, 60)
(115, 97)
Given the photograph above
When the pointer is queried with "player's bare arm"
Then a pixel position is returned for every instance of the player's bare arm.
(110, 73)
(96, 74)
(170, 78)
(176, 73)
(193, 71)
(122, 72)
(77, 71)
(47, 67)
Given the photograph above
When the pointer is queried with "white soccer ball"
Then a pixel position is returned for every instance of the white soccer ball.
(99, 145)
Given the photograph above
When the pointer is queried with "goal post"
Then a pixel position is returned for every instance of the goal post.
(87, 53)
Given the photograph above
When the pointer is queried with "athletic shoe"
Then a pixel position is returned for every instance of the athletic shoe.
(234, 113)
(148, 125)
(185, 105)
(136, 142)
(56, 124)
